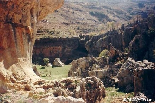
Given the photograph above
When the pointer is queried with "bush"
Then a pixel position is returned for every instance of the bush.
(104, 53)
(46, 61)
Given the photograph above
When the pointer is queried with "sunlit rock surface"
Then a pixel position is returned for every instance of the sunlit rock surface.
(17, 35)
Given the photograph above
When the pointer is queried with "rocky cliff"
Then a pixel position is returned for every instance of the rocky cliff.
(67, 49)
(136, 39)
(17, 35)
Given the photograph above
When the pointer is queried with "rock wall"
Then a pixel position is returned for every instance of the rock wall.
(98, 43)
(17, 35)
(67, 49)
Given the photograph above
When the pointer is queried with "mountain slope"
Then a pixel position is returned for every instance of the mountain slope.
(76, 18)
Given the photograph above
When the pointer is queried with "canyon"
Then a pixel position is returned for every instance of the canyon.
(136, 40)
(128, 64)
(17, 37)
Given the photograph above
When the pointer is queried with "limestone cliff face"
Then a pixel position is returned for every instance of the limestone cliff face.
(100, 42)
(18, 20)
(17, 26)
(67, 49)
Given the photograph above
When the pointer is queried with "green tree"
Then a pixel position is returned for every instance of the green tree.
(46, 61)
(104, 53)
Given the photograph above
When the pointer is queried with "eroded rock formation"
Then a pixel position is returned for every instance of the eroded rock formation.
(88, 66)
(126, 76)
(138, 77)
(69, 90)
(144, 80)
(17, 35)
(98, 43)
(95, 66)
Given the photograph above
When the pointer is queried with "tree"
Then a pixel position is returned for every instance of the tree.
(46, 61)
(104, 53)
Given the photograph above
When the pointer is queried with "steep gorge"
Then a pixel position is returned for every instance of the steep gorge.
(17, 35)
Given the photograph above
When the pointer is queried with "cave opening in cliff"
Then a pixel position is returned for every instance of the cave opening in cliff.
(67, 49)
(81, 51)
(77, 53)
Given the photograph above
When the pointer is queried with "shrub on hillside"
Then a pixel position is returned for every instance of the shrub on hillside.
(104, 53)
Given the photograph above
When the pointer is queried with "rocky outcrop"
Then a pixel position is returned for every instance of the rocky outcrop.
(87, 66)
(87, 90)
(61, 99)
(98, 67)
(98, 43)
(69, 90)
(144, 80)
(92, 90)
(138, 77)
(18, 20)
(17, 35)
(137, 39)
(126, 76)
(138, 46)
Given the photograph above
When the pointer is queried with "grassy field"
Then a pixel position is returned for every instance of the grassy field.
(115, 96)
(53, 73)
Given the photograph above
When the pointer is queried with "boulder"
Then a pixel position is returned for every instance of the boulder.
(92, 89)
(84, 67)
(57, 63)
(49, 65)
